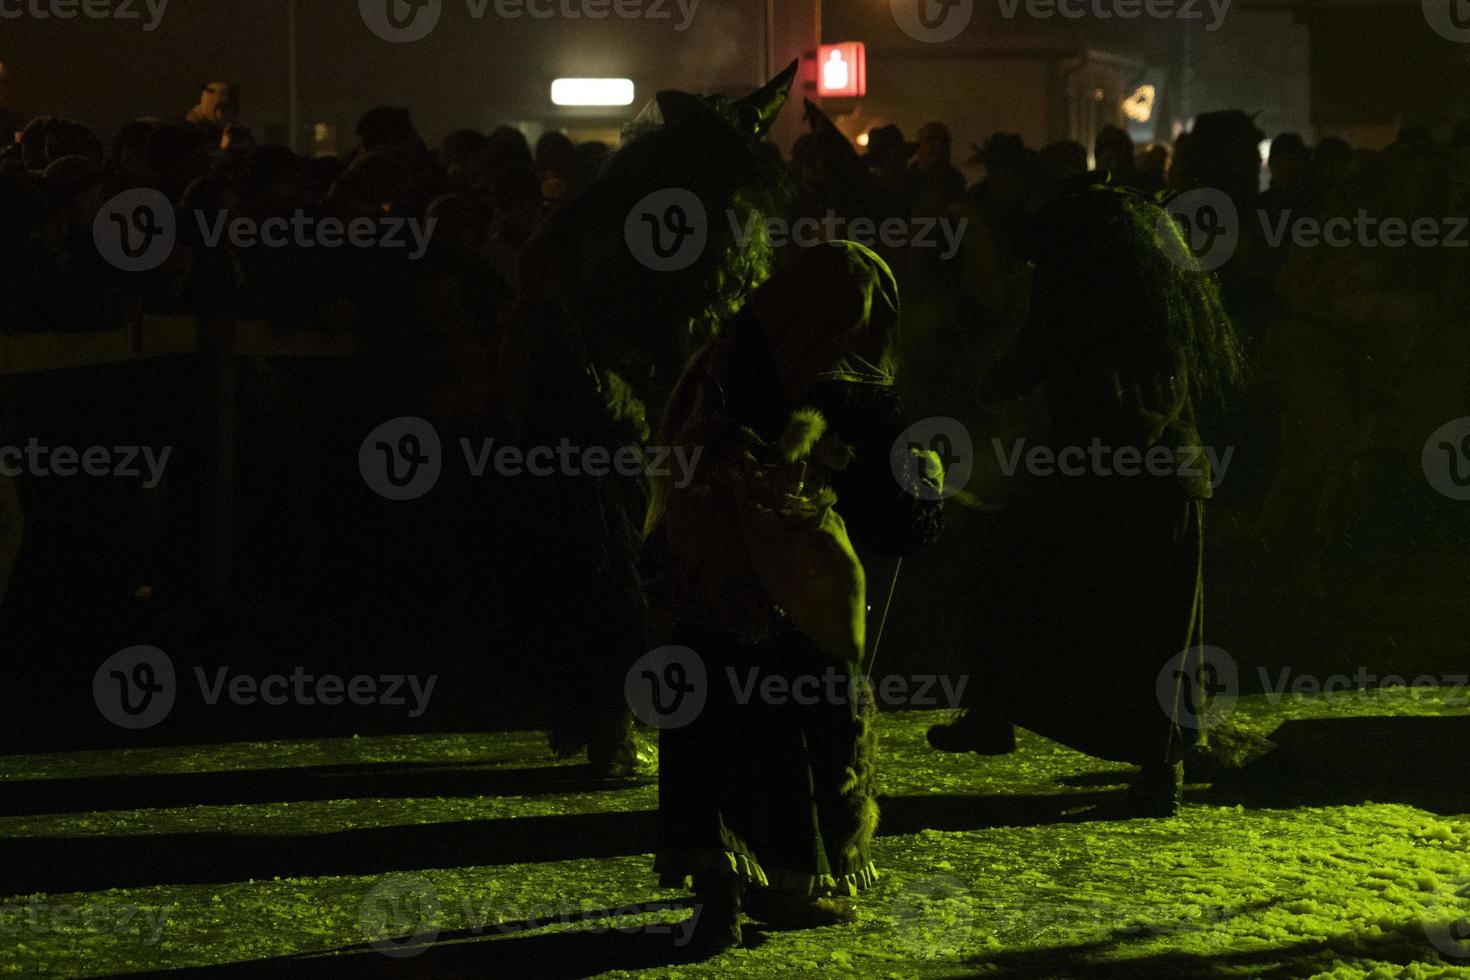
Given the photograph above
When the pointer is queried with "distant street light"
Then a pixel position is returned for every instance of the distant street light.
(592, 91)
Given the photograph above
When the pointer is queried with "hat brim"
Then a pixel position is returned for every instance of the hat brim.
(906, 149)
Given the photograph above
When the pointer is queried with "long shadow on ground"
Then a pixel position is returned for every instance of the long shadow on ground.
(1299, 959)
(56, 864)
(393, 780)
(493, 951)
(592, 951)
(1327, 762)
(1419, 761)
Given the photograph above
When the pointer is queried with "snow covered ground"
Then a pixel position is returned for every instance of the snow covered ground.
(1346, 853)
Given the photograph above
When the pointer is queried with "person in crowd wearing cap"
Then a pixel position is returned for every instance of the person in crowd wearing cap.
(1224, 153)
(887, 162)
(1064, 158)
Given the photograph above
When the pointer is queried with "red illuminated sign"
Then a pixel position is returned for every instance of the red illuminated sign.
(842, 70)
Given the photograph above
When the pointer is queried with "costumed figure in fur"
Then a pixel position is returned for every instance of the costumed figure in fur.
(1089, 583)
(771, 806)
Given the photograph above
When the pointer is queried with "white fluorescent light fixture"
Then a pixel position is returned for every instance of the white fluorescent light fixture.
(592, 91)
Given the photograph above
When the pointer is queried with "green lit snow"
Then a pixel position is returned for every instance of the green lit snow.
(992, 867)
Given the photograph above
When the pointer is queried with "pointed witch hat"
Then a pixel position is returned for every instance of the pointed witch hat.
(752, 115)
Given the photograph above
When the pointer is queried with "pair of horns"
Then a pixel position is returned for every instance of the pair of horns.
(755, 114)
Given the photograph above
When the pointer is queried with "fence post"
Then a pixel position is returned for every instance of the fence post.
(217, 335)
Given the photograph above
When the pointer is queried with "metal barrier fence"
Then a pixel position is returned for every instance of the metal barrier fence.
(216, 342)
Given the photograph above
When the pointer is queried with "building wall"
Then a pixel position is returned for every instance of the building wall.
(974, 96)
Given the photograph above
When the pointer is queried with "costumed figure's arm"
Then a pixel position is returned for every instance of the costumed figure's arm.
(882, 513)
